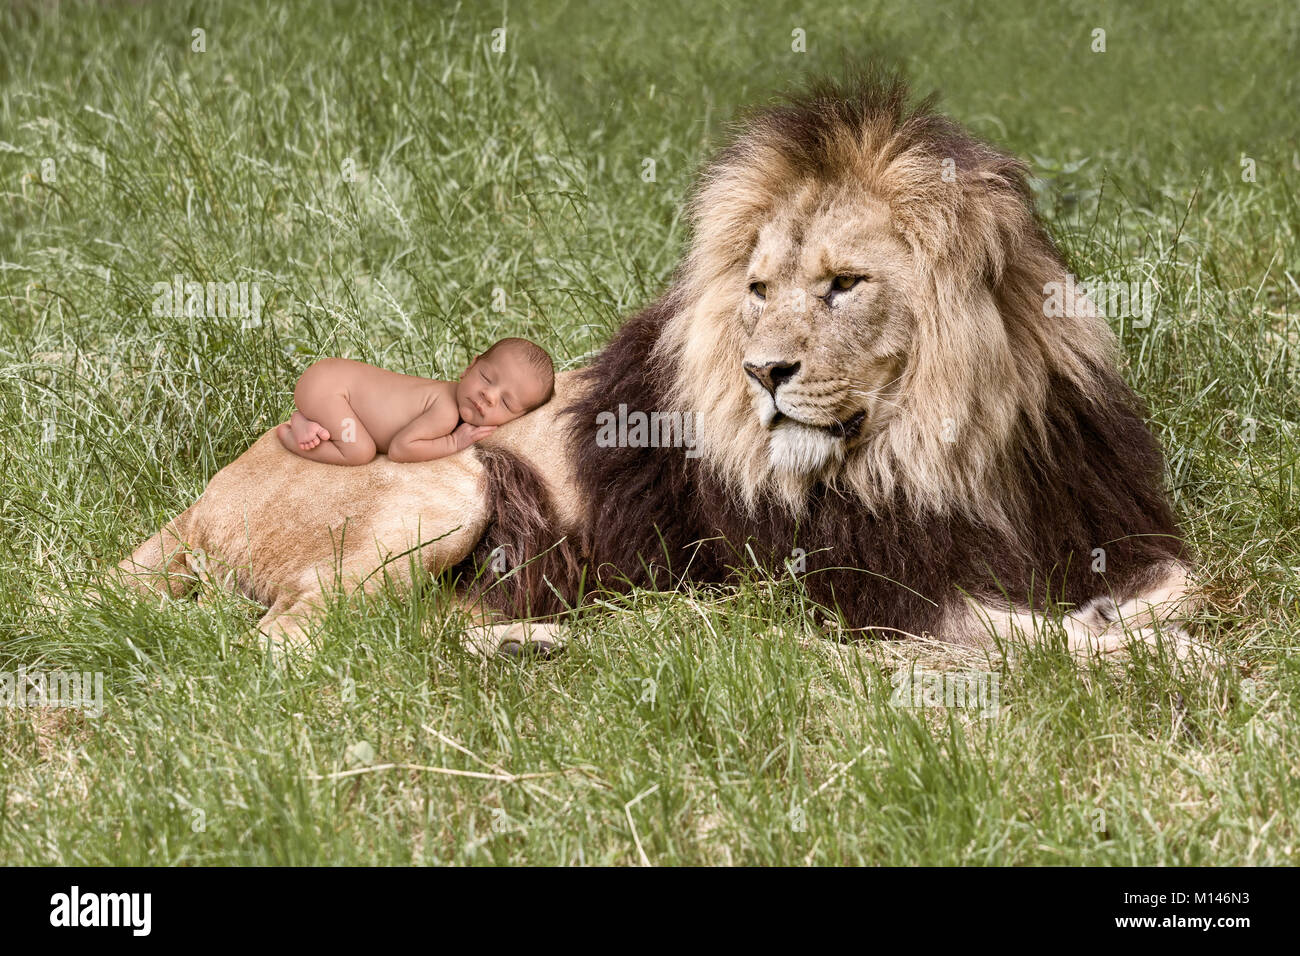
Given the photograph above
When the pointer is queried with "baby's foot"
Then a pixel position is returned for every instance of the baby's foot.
(307, 433)
(285, 434)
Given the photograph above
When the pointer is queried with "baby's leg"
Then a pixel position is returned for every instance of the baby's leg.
(319, 401)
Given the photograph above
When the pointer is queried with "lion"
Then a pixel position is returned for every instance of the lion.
(851, 378)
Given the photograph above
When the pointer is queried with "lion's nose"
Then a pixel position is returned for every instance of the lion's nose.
(771, 375)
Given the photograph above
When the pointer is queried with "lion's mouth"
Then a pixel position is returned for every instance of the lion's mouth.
(847, 429)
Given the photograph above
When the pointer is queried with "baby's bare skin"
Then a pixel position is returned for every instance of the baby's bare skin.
(349, 411)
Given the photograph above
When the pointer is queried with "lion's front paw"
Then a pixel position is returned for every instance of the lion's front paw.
(516, 639)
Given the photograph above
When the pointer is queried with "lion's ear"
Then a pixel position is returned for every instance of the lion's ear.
(991, 227)
(1009, 203)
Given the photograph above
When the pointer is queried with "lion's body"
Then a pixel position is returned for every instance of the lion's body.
(859, 338)
(283, 530)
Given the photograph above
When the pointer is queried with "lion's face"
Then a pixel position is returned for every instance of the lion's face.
(861, 307)
(826, 327)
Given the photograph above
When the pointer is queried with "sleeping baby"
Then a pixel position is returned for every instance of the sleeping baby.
(350, 411)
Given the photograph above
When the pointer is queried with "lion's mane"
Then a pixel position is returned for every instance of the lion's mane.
(1054, 459)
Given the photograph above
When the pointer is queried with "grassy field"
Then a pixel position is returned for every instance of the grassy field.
(379, 171)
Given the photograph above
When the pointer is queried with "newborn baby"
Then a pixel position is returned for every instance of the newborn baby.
(350, 411)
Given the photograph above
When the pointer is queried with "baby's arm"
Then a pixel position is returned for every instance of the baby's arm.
(435, 435)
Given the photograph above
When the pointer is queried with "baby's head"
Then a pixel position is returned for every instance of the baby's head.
(510, 379)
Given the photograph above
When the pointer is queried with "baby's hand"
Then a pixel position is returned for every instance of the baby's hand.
(467, 434)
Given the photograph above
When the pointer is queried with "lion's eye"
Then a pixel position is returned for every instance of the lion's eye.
(845, 283)
(759, 289)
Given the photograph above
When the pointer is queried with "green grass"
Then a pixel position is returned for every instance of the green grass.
(704, 727)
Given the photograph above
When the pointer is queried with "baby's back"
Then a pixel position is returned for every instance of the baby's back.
(387, 401)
